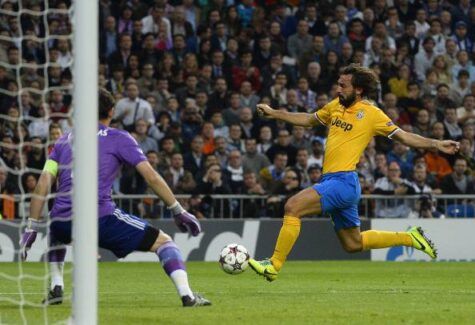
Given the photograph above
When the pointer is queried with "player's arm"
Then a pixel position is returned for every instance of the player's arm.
(48, 177)
(185, 221)
(416, 141)
(156, 182)
(302, 119)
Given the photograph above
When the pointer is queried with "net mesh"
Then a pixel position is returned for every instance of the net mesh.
(35, 90)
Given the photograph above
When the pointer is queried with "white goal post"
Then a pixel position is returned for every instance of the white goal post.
(85, 102)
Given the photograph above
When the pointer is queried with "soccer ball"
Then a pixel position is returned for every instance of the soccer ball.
(234, 259)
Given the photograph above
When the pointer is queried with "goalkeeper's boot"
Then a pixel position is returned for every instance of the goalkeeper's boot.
(55, 296)
(421, 242)
(264, 268)
(198, 301)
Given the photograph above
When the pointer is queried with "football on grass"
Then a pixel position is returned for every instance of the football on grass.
(234, 259)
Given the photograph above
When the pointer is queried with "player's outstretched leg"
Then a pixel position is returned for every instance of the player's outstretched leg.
(56, 255)
(174, 266)
(304, 203)
(414, 237)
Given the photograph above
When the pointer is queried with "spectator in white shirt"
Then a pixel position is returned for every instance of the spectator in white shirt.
(381, 32)
(392, 185)
(452, 129)
(132, 108)
(424, 58)
(466, 113)
(152, 22)
(316, 157)
(421, 23)
(65, 57)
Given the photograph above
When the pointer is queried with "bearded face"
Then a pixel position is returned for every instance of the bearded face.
(347, 100)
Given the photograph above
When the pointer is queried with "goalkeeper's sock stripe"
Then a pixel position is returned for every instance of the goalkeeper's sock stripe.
(56, 254)
(170, 257)
(172, 262)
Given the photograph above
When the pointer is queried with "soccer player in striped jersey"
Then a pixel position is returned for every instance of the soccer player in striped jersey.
(119, 231)
(352, 120)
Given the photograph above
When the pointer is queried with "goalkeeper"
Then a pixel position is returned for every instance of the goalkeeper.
(119, 231)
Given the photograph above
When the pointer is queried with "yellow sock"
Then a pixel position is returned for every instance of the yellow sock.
(380, 239)
(288, 235)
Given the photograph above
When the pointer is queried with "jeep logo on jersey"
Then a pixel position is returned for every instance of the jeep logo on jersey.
(341, 124)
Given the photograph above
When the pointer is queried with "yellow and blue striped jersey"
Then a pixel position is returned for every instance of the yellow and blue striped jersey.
(350, 131)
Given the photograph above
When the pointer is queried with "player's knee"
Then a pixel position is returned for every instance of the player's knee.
(162, 239)
(352, 247)
(291, 207)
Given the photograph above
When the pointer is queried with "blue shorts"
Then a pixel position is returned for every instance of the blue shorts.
(121, 233)
(340, 194)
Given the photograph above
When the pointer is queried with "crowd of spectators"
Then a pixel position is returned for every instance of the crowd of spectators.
(187, 76)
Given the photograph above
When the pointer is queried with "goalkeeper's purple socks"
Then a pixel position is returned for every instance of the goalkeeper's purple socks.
(56, 254)
(172, 262)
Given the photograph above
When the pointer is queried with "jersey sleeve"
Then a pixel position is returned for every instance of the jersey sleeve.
(58, 147)
(54, 154)
(323, 115)
(383, 125)
(129, 150)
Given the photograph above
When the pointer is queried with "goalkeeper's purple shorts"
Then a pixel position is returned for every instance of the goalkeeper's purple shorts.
(121, 233)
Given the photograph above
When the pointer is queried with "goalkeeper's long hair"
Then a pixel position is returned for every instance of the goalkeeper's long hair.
(106, 103)
(364, 79)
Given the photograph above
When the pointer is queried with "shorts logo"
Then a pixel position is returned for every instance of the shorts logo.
(390, 123)
(360, 115)
(341, 124)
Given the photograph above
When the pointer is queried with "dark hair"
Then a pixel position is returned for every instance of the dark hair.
(152, 151)
(458, 157)
(463, 73)
(280, 153)
(363, 78)
(427, 40)
(297, 173)
(409, 23)
(314, 167)
(54, 126)
(148, 34)
(435, 19)
(442, 85)
(355, 20)
(106, 103)
(121, 36)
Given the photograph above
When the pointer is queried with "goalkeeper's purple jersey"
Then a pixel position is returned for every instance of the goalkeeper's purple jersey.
(116, 147)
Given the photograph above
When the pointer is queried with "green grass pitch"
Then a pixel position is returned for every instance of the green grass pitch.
(305, 293)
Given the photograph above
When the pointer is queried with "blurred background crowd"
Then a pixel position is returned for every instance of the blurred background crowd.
(187, 75)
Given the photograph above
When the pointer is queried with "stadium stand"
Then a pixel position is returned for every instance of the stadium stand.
(188, 74)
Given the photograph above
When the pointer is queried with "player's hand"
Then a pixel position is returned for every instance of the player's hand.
(187, 222)
(448, 146)
(27, 239)
(265, 110)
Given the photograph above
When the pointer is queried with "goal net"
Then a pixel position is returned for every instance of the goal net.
(37, 74)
